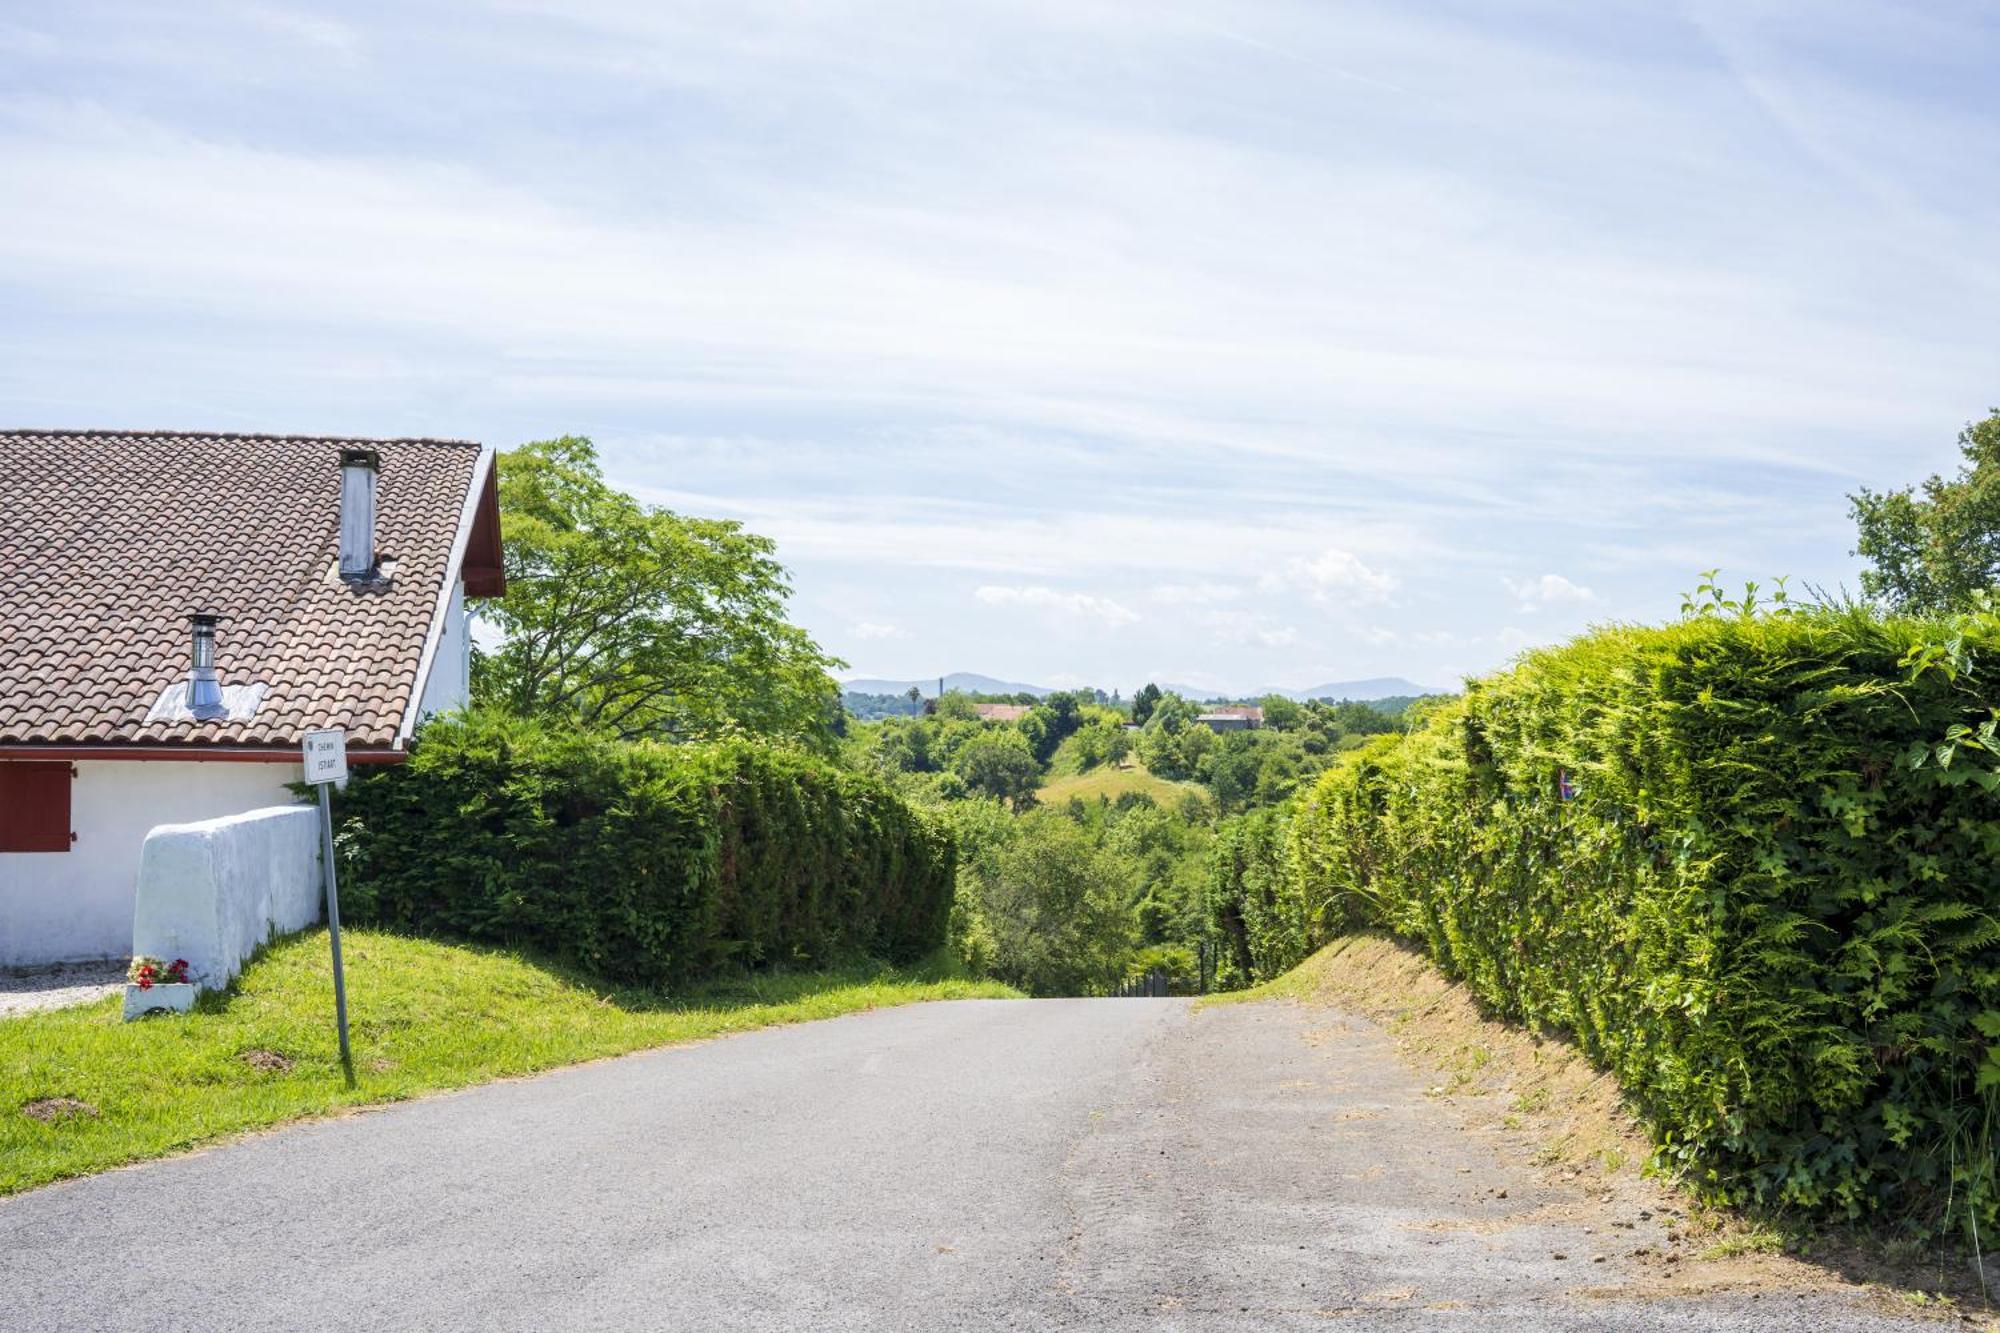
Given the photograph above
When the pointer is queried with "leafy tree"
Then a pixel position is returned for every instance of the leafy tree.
(1931, 553)
(958, 706)
(1144, 702)
(998, 763)
(1057, 908)
(635, 621)
(1282, 714)
(1117, 746)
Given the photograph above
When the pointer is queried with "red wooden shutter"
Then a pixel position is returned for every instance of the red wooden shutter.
(34, 807)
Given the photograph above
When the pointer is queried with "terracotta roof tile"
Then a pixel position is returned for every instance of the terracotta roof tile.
(108, 539)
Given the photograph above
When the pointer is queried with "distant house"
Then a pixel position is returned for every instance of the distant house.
(178, 610)
(1232, 717)
(1001, 712)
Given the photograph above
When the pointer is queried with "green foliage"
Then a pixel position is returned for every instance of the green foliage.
(641, 862)
(1058, 907)
(636, 621)
(998, 763)
(1932, 553)
(1144, 702)
(1767, 904)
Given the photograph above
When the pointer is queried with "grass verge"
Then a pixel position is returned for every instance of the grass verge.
(82, 1091)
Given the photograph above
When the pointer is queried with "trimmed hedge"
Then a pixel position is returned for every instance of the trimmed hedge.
(642, 862)
(1765, 905)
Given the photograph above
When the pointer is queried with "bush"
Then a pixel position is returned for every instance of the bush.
(640, 861)
(1725, 857)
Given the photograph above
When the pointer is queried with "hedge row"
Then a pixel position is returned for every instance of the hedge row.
(1726, 858)
(642, 862)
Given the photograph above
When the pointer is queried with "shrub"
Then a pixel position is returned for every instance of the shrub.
(641, 861)
(1725, 856)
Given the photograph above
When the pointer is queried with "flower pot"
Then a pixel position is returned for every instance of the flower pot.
(164, 997)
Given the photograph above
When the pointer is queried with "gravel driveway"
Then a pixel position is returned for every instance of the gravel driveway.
(1086, 1164)
(58, 987)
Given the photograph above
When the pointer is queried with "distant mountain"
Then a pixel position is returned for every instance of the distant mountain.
(970, 682)
(1361, 691)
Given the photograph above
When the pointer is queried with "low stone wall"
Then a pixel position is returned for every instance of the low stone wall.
(212, 892)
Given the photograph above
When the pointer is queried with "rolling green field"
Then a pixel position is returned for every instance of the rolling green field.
(82, 1091)
(1111, 783)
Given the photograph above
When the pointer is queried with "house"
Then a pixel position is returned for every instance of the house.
(1001, 712)
(178, 610)
(1232, 717)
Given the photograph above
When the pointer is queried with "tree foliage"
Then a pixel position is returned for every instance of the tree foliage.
(1931, 552)
(1057, 905)
(636, 621)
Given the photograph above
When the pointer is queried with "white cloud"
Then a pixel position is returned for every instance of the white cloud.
(870, 629)
(1337, 576)
(1253, 628)
(1081, 604)
(1548, 590)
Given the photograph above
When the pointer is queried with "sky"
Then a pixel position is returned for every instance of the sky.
(1231, 344)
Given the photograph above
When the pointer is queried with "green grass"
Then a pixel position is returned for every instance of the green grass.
(424, 1017)
(1111, 783)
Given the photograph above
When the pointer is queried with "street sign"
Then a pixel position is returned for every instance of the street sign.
(326, 755)
(326, 762)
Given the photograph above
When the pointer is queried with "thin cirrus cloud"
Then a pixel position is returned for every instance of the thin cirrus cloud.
(1082, 605)
(1297, 326)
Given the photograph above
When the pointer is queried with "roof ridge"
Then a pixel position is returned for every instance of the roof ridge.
(21, 432)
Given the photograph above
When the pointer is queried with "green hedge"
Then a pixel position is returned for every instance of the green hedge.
(642, 862)
(1766, 905)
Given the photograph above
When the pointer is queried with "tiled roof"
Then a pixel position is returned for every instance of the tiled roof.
(109, 539)
(1001, 712)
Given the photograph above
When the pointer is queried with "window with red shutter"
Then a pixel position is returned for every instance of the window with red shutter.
(34, 806)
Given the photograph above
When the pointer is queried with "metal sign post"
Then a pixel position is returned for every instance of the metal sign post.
(326, 763)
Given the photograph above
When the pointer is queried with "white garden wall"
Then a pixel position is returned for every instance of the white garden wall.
(58, 907)
(211, 892)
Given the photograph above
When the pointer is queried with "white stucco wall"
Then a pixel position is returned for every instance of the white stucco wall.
(76, 905)
(212, 891)
(450, 683)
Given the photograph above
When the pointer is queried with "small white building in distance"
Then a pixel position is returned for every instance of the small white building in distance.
(178, 610)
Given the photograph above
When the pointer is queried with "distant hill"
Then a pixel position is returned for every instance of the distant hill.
(970, 682)
(1361, 691)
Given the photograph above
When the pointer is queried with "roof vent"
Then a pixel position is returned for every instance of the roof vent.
(358, 471)
(204, 691)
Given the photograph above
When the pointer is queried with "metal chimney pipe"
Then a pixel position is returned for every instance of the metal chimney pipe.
(358, 471)
(204, 695)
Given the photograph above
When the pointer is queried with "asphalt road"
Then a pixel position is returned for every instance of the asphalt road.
(1086, 1164)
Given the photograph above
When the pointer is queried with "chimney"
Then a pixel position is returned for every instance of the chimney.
(358, 469)
(204, 694)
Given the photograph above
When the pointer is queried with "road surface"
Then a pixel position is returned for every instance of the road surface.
(1056, 1164)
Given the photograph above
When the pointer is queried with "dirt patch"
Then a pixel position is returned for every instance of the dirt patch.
(1535, 1097)
(53, 1110)
(269, 1061)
